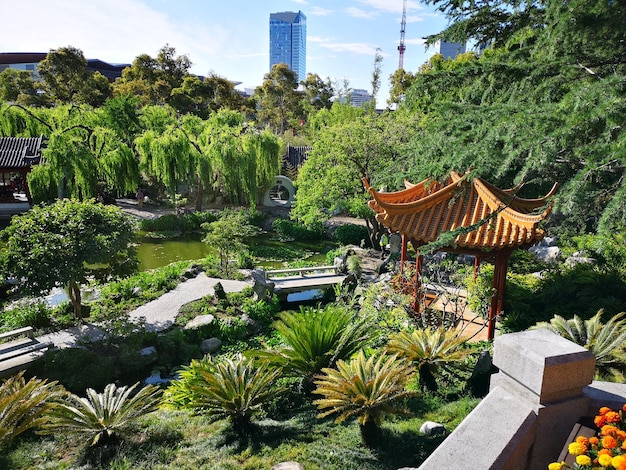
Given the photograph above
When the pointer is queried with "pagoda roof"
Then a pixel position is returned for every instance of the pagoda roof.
(425, 210)
(20, 152)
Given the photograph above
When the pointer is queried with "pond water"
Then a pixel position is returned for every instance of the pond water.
(157, 252)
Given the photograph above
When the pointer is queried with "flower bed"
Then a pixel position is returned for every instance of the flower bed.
(605, 450)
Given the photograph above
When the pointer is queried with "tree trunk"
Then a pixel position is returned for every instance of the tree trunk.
(427, 379)
(371, 433)
(199, 196)
(73, 292)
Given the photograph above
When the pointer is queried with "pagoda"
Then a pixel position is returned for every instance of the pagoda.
(485, 221)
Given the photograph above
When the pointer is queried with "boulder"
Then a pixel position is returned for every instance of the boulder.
(288, 466)
(430, 428)
(199, 321)
(547, 254)
(252, 326)
(211, 345)
(579, 258)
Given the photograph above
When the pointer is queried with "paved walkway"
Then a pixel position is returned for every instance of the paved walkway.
(159, 314)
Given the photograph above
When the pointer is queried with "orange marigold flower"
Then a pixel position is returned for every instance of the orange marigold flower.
(582, 440)
(609, 442)
(605, 452)
(624, 407)
(599, 421)
(612, 417)
(604, 410)
(593, 441)
(608, 430)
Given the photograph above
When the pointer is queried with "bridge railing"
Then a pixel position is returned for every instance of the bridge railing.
(300, 271)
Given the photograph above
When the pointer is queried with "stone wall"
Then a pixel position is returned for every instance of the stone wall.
(543, 387)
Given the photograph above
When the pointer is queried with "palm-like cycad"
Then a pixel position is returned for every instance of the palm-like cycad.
(606, 341)
(366, 388)
(429, 350)
(100, 416)
(24, 405)
(225, 388)
(317, 338)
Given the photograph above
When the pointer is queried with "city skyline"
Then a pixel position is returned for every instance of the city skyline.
(229, 40)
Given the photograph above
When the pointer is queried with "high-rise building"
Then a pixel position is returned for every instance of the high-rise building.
(449, 50)
(288, 41)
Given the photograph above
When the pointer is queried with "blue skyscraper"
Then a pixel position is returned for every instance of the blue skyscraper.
(288, 41)
(449, 50)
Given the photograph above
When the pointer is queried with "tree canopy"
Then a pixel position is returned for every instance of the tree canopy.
(61, 244)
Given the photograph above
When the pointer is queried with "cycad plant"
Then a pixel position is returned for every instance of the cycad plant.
(430, 350)
(101, 416)
(366, 388)
(234, 389)
(606, 341)
(316, 338)
(24, 405)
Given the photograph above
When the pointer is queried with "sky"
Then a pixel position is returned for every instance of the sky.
(228, 38)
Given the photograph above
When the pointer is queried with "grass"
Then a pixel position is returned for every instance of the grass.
(178, 440)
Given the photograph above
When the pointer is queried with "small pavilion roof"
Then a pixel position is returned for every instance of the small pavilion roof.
(20, 152)
(425, 210)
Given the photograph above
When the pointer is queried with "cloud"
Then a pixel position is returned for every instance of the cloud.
(352, 47)
(391, 7)
(359, 13)
(318, 39)
(319, 11)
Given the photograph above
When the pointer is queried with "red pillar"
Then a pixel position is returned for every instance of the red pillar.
(499, 285)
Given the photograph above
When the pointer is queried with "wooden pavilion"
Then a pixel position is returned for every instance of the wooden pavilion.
(487, 222)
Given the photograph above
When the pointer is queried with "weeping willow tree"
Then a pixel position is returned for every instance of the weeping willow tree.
(243, 160)
(169, 157)
(83, 151)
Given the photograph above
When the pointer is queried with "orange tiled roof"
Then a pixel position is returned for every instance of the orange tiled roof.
(425, 210)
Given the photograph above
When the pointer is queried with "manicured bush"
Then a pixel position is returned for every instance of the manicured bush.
(352, 234)
(290, 230)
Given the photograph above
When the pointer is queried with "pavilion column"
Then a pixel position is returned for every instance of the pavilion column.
(499, 285)
(26, 189)
(419, 294)
(403, 254)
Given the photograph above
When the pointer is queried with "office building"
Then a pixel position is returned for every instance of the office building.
(449, 50)
(288, 41)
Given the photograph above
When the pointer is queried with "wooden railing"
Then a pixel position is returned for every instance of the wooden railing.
(300, 271)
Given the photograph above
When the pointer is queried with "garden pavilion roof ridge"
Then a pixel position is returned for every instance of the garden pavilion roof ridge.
(425, 210)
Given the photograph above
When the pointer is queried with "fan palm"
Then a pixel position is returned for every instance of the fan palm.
(100, 416)
(317, 338)
(234, 389)
(430, 350)
(368, 388)
(606, 341)
(24, 405)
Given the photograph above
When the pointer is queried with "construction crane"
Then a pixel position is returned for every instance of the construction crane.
(402, 47)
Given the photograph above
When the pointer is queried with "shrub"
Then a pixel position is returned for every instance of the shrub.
(234, 389)
(27, 312)
(352, 234)
(289, 230)
(318, 338)
(101, 416)
(366, 388)
(24, 405)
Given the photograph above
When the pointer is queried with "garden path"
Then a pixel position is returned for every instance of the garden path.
(159, 314)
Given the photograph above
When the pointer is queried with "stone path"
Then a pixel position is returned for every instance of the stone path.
(159, 314)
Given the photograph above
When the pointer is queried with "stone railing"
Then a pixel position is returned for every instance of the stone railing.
(543, 387)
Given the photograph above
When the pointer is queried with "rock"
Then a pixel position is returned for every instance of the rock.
(252, 326)
(547, 254)
(136, 292)
(288, 466)
(149, 351)
(430, 428)
(579, 258)
(211, 345)
(199, 321)
(481, 375)
(262, 288)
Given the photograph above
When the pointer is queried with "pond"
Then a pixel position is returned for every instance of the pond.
(157, 252)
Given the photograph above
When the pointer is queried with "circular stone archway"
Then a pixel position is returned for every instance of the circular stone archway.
(281, 193)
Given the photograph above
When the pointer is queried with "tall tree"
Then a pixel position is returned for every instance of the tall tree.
(279, 100)
(18, 86)
(63, 244)
(356, 147)
(154, 79)
(66, 79)
(317, 92)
